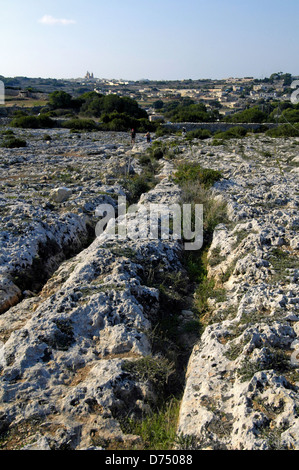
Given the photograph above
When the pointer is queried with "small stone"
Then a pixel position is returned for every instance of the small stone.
(60, 195)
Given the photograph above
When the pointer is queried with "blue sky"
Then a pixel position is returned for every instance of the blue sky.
(156, 39)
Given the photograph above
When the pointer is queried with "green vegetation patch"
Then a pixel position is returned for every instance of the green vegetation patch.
(277, 360)
(13, 142)
(237, 132)
(80, 124)
(155, 370)
(284, 131)
(200, 134)
(281, 262)
(251, 115)
(33, 122)
(158, 430)
(136, 185)
(193, 172)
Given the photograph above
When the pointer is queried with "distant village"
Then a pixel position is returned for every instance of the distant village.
(228, 95)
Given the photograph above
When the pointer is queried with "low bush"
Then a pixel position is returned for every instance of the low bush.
(12, 142)
(122, 122)
(215, 209)
(8, 133)
(161, 131)
(193, 172)
(158, 150)
(149, 165)
(80, 125)
(254, 114)
(136, 185)
(155, 370)
(201, 134)
(284, 131)
(234, 133)
(33, 122)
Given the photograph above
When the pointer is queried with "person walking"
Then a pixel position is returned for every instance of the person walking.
(133, 136)
(148, 138)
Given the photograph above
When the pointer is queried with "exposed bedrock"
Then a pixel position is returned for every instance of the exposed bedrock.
(242, 380)
(78, 313)
(64, 352)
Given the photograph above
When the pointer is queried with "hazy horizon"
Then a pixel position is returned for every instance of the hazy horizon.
(82, 77)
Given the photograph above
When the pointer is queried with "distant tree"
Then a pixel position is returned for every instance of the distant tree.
(158, 104)
(60, 99)
(216, 104)
(94, 104)
(290, 115)
(251, 115)
(288, 79)
(284, 131)
(275, 76)
(190, 113)
(187, 101)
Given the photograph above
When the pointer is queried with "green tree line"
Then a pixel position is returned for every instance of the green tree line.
(113, 113)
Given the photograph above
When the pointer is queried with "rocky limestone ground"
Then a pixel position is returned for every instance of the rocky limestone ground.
(49, 191)
(65, 379)
(242, 380)
(79, 313)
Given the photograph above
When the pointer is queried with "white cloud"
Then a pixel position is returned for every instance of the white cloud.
(50, 20)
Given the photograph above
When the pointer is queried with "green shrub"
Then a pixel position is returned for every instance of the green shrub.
(80, 124)
(33, 122)
(118, 125)
(12, 142)
(8, 133)
(97, 105)
(158, 431)
(284, 131)
(193, 172)
(155, 370)
(161, 131)
(60, 99)
(122, 122)
(158, 153)
(251, 115)
(234, 133)
(188, 111)
(25, 122)
(215, 209)
(45, 122)
(199, 134)
(210, 177)
(158, 150)
(149, 165)
(136, 185)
